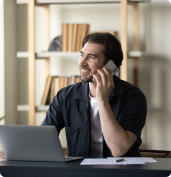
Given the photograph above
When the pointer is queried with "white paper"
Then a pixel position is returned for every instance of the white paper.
(112, 161)
(144, 159)
(3, 159)
(126, 161)
(98, 161)
(133, 160)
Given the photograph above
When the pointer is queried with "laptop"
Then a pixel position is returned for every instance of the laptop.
(32, 143)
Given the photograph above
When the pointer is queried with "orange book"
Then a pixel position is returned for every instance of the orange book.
(83, 33)
(77, 79)
(52, 90)
(79, 37)
(74, 37)
(70, 36)
(56, 85)
(65, 82)
(64, 37)
(47, 89)
(61, 83)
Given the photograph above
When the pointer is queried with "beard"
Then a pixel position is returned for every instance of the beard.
(84, 79)
(89, 79)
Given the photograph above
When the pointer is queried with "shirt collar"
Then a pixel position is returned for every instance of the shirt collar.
(83, 89)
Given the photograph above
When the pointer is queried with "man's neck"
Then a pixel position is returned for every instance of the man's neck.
(92, 89)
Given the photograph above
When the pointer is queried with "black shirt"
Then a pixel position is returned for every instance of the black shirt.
(71, 109)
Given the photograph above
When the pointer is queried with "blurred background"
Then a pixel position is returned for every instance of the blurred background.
(154, 70)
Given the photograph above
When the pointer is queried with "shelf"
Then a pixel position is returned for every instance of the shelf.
(41, 108)
(42, 55)
(57, 54)
(77, 1)
(133, 54)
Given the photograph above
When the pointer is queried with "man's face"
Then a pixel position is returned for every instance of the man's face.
(91, 59)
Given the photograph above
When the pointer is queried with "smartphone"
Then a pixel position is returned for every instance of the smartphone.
(111, 65)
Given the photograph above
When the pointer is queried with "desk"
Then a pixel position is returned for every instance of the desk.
(72, 169)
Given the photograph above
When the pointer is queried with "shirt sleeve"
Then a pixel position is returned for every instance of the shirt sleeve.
(133, 115)
(54, 114)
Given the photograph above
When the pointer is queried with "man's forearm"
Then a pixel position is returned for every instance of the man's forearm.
(118, 140)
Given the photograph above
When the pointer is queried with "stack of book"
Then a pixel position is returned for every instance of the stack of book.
(54, 84)
(72, 35)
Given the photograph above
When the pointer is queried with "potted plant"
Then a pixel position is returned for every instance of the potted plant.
(1, 118)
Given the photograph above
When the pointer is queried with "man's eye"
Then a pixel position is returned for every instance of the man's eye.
(92, 57)
(81, 55)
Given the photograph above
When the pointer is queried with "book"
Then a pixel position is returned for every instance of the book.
(79, 36)
(54, 84)
(52, 90)
(70, 37)
(77, 79)
(47, 90)
(65, 83)
(74, 36)
(61, 83)
(64, 37)
(82, 30)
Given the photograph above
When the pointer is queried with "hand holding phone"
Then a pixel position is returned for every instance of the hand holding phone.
(111, 65)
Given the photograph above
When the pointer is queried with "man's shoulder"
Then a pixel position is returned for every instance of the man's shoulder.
(126, 88)
(134, 95)
(132, 89)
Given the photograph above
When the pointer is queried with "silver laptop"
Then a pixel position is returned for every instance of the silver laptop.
(32, 143)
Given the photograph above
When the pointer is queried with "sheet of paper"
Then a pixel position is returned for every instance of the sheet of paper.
(126, 161)
(112, 161)
(98, 161)
(3, 160)
(133, 160)
(144, 159)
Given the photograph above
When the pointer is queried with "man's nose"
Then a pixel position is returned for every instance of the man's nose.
(82, 60)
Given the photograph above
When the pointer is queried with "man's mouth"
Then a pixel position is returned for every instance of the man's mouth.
(85, 71)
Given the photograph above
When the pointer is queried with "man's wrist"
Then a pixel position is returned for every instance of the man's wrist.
(102, 101)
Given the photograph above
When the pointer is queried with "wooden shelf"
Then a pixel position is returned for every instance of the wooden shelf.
(41, 108)
(77, 1)
(42, 55)
(135, 54)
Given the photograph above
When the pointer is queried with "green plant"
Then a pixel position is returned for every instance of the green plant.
(1, 118)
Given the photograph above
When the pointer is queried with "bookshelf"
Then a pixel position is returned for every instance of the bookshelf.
(135, 54)
(130, 54)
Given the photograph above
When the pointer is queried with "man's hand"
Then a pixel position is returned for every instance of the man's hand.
(105, 84)
(118, 140)
(2, 155)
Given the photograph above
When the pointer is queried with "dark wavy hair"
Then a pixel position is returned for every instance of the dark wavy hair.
(113, 50)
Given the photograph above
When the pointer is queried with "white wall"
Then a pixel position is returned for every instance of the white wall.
(155, 37)
(155, 74)
(2, 111)
(10, 61)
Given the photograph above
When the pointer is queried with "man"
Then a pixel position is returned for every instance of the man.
(103, 116)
